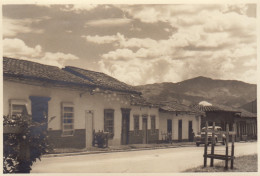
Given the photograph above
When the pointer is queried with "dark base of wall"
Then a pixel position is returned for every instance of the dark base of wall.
(136, 137)
(76, 141)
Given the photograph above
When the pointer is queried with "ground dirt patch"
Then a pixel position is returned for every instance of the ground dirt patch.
(246, 163)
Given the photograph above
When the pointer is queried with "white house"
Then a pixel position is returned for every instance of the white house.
(75, 102)
(178, 122)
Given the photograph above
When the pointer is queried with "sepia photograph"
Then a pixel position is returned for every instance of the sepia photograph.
(127, 87)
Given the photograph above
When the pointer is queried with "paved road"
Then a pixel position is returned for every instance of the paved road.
(145, 161)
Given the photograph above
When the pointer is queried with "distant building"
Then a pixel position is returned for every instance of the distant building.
(246, 122)
(178, 123)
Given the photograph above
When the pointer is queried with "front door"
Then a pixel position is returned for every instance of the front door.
(169, 129)
(169, 126)
(190, 132)
(144, 130)
(180, 131)
(89, 128)
(125, 126)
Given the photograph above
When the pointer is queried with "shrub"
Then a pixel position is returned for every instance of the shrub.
(32, 135)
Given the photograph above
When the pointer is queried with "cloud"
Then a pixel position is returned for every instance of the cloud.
(16, 48)
(251, 63)
(12, 27)
(102, 39)
(77, 8)
(108, 22)
(217, 41)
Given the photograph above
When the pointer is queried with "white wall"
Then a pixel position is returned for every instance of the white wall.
(138, 110)
(97, 103)
(164, 116)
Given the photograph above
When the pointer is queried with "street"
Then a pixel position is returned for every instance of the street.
(144, 161)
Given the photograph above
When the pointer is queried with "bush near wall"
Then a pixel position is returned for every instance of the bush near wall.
(24, 142)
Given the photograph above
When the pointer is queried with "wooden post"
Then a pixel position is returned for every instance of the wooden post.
(233, 147)
(206, 145)
(227, 140)
(212, 145)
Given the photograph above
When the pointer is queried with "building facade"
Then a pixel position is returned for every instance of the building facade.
(75, 106)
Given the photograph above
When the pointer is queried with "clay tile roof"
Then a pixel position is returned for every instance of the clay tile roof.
(31, 70)
(102, 80)
(177, 107)
(214, 108)
(141, 101)
(243, 112)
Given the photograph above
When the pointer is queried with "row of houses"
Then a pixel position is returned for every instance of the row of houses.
(76, 102)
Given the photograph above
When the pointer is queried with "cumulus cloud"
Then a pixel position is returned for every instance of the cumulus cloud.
(217, 41)
(78, 8)
(102, 39)
(108, 22)
(16, 48)
(12, 27)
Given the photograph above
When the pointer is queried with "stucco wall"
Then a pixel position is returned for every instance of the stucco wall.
(185, 124)
(97, 103)
(138, 110)
(83, 102)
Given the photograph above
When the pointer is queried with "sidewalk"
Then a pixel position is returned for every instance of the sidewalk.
(121, 148)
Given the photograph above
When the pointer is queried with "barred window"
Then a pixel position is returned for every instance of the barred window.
(109, 121)
(136, 122)
(67, 119)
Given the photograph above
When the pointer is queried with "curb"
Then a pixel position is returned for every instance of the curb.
(113, 151)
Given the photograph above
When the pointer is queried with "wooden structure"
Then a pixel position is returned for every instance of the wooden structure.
(226, 119)
(212, 155)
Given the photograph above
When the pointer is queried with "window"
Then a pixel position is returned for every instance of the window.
(136, 122)
(153, 123)
(67, 119)
(18, 108)
(109, 122)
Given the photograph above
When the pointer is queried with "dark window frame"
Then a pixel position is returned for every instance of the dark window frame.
(109, 117)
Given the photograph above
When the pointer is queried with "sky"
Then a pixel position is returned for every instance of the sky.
(137, 44)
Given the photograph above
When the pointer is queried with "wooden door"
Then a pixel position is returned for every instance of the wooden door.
(125, 126)
(169, 126)
(180, 130)
(144, 130)
(89, 128)
(190, 131)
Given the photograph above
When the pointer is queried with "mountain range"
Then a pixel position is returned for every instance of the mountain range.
(231, 93)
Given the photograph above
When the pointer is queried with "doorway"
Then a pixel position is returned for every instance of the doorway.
(125, 126)
(144, 130)
(169, 129)
(89, 128)
(180, 130)
(190, 132)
